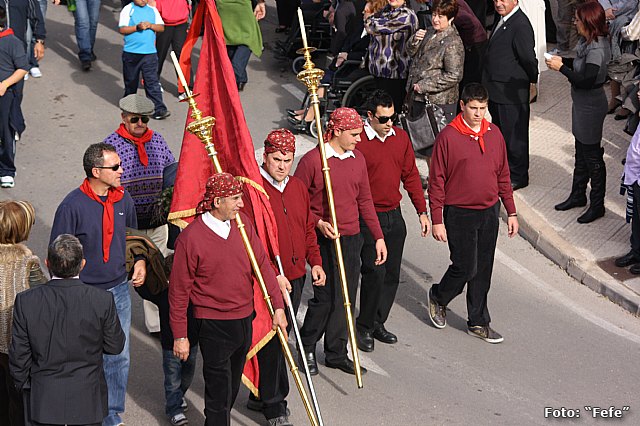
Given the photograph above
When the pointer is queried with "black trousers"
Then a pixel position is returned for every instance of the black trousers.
(635, 221)
(513, 121)
(395, 87)
(380, 283)
(473, 59)
(172, 37)
(274, 381)
(224, 345)
(472, 236)
(11, 407)
(133, 65)
(325, 312)
(286, 11)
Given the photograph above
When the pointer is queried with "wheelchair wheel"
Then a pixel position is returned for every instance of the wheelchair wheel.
(297, 64)
(313, 128)
(356, 96)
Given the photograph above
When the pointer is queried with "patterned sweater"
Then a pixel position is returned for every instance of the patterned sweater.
(390, 30)
(143, 183)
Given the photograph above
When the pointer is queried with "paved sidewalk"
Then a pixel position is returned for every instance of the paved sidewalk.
(586, 252)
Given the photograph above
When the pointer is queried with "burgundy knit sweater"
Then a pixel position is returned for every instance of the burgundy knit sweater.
(389, 163)
(461, 175)
(215, 275)
(351, 192)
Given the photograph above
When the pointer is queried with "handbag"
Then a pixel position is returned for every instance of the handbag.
(422, 127)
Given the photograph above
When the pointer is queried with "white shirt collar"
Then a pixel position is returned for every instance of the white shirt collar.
(222, 228)
(330, 152)
(53, 277)
(371, 133)
(280, 186)
(515, 9)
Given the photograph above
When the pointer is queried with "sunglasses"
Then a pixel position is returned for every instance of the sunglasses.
(115, 167)
(134, 120)
(383, 120)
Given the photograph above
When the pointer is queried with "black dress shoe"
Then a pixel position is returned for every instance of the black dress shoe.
(627, 260)
(310, 359)
(241, 86)
(591, 214)
(365, 341)
(635, 269)
(383, 335)
(571, 203)
(345, 365)
(86, 65)
(515, 186)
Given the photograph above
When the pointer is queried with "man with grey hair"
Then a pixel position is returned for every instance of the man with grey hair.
(97, 213)
(60, 331)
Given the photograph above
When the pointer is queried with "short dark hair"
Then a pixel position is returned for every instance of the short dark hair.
(3, 17)
(448, 8)
(64, 256)
(94, 156)
(474, 92)
(379, 98)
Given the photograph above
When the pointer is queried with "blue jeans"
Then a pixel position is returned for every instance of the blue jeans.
(32, 59)
(178, 376)
(116, 367)
(239, 56)
(134, 64)
(86, 22)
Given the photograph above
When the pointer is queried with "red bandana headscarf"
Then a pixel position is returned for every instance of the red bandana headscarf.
(343, 119)
(139, 141)
(459, 124)
(113, 196)
(219, 185)
(280, 140)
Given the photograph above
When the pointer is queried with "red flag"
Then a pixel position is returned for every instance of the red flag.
(215, 82)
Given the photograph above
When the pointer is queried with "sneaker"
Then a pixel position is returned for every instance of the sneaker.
(437, 313)
(179, 419)
(16, 136)
(86, 65)
(26, 77)
(280, 421)
(35, 72)
(485, 333)
(184, 405)
(160, 115)
(7, 182)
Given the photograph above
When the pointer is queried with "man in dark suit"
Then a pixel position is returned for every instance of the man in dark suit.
(510, 66)
(60, 331)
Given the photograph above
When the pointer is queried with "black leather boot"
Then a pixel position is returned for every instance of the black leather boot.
(598, 175)
(578, 196)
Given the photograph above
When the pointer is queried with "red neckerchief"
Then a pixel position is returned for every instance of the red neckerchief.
(459, 124)
(139, 141)
(6, 32)
(113, 196)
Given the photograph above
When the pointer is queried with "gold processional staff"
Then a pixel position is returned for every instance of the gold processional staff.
(311, 77)
(202, 128)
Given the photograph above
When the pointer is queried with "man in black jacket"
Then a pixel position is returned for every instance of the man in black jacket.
(60, 331)
(510, 65)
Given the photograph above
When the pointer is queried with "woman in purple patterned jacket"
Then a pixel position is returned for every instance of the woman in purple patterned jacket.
(390, 29)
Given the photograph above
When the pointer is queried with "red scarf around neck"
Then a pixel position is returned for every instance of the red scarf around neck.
(139, 141)
(6, 32)
(462, 127)
(113, 196)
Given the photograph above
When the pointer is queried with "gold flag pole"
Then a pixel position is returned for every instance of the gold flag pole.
(202, 128)
(311, 77)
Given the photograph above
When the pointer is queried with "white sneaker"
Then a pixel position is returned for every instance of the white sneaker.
(161, 89)
(7, 182)
(16, 136)
(26, 77)
(35, 72)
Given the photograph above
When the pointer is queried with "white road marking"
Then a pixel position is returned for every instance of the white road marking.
(295, 90)
(561, 298)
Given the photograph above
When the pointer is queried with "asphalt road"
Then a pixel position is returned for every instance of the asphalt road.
(565, 346)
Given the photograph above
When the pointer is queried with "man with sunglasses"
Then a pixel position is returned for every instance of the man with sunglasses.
(390, 161)
(97, 213)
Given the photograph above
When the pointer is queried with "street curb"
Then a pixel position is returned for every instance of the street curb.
(535, 229)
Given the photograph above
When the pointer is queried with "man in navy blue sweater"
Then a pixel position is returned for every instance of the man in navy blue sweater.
(97, 213)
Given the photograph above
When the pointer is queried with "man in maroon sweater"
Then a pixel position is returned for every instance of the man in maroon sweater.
(390, 160)
(297, 240)
(212, 270)
(353, 201)
(469, 172)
